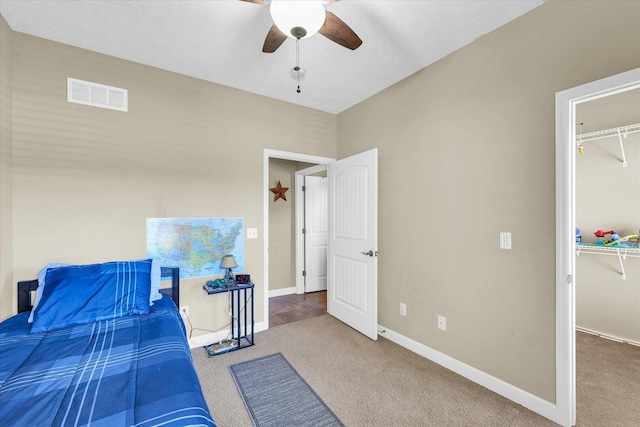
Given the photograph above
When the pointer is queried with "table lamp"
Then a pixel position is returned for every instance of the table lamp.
(228, 262)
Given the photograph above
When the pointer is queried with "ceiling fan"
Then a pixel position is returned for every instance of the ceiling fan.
(302, 19)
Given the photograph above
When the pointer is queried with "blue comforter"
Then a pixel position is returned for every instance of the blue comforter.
(129, 371)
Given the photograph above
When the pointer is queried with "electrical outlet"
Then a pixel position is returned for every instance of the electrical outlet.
(442, 323)
(184, 310)
(403, 309)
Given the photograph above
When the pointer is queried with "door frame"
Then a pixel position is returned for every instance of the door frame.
(566, 102)
(300, 206)
(283, 155)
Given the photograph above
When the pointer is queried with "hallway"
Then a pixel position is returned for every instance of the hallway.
(294, 307)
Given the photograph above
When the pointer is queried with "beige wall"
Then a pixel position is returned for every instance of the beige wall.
(282, 226)
(6, 204)
(85, 179)
(466, 150)
(608, 197)
(282, 221)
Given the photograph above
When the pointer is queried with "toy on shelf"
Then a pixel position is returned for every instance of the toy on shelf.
(614, 239)
(601, 235)
(610, 243)
(621, 240)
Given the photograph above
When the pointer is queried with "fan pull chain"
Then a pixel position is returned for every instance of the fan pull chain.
(297, 67)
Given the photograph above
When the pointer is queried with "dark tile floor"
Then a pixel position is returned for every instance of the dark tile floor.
(294, 307)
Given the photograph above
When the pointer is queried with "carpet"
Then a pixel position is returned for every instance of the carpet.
(276, 395)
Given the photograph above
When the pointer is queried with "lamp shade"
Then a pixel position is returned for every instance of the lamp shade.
(228, 261)
(290, 14)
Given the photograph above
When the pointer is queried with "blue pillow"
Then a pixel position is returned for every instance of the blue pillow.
(155, 294)
(80, 294)
(41, 283)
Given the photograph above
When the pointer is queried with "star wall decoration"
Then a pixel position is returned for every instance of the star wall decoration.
(278, 192)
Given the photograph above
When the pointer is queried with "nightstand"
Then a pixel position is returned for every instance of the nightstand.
(242, 323)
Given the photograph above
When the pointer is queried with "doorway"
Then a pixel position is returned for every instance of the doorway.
(283, 155)
(566, 102)
(352, 286)
(304, 237)
(286, 228)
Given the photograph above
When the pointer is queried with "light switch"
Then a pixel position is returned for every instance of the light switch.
(252, 233)
(505, 240)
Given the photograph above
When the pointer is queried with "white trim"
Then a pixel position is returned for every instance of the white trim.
(607, 336)
(213, 337)
(566, 102)
(282, 292)
(299, 235)
(299, 181)
(511, 392)
(284, 155)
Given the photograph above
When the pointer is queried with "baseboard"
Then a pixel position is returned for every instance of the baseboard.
(207, 339)
(511, 392)
(608, 336)
(281, 292)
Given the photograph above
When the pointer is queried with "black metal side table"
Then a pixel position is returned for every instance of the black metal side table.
(242, 322)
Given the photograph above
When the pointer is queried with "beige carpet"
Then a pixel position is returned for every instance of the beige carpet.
(365, 383)
(607, 383)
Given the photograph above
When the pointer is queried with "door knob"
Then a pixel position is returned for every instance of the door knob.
(370, 253)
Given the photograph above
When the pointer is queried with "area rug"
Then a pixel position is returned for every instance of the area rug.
(276, 395)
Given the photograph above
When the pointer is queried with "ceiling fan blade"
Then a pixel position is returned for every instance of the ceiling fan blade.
(274, 39)
(337, 31)
(253, 1)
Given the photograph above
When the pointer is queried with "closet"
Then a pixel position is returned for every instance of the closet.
(608, 200)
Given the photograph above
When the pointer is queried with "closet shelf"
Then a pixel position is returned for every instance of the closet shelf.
(622, 252)
(621, 132)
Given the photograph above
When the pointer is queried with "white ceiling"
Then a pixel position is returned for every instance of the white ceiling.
(221, 40)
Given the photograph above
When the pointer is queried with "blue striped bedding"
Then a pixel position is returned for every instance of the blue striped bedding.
(128, 371)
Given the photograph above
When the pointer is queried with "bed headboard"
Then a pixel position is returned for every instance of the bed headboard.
(26, 287)
(174, 291)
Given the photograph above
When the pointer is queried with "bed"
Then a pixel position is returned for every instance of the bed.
(104, 347)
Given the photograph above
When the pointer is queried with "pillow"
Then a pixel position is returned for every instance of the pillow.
(80, 294)
(41, 283)
(155, 294)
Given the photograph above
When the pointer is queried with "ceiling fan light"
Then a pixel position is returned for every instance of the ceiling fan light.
(290, 14)
(298, 74)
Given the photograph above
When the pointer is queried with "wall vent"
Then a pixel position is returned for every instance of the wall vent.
(97, 95)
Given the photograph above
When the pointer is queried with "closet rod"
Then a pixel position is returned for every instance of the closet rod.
(607, 133)
(621, 132)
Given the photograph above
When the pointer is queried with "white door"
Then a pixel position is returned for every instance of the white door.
(316, 225)
(352, 294)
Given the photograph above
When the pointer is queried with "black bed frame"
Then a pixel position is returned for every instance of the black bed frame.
(26, 287)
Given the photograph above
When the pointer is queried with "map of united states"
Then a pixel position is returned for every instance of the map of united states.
(196, 245)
